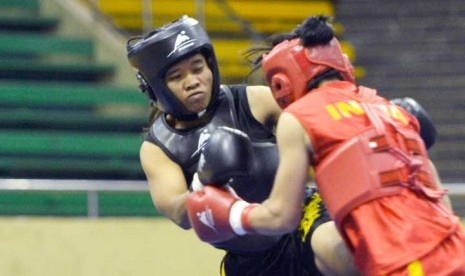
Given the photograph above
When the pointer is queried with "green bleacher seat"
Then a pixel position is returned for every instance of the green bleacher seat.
(72, 106)
(61, 117)
(68, 95)
(20, 5)
(70, 168)
(36, 44)
(75, 204)
(27, 23)
(69, 144)
(16, 118)
(69, 154)
(54, 71)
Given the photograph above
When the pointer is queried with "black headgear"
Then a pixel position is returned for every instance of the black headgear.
(153, 54)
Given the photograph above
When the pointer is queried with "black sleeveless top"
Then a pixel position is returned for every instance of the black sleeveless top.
(183, 147)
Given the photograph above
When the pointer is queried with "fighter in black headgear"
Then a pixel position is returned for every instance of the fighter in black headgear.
(154, 53)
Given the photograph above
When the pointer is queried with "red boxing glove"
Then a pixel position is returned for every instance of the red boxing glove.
(217, 214)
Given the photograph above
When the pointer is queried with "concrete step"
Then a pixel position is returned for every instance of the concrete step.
(372, 59)
(443, 116)
(452, 132)
(398, 9)
(388, 27)
(451, 170)
(448, 151)
(419, 70)
(401, 86)
(424, 54)
(415, 48)
(431, 46)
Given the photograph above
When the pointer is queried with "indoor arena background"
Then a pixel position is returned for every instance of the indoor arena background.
(73, 197)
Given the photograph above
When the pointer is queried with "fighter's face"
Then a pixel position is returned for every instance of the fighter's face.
(191, 82)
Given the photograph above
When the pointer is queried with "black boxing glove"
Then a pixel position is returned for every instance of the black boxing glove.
(227, 154)
(427, 130)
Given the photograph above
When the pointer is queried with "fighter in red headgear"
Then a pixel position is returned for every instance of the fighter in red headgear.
(371, 166)
(291, 66)
(296, 65)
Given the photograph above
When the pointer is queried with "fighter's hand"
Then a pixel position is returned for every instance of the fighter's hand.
(227, 154)
(217, 214)
(427, 130)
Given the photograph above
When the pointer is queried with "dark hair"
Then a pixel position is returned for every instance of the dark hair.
(155, 112)
(315, 30)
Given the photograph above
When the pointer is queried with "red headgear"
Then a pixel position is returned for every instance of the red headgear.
(290, 66)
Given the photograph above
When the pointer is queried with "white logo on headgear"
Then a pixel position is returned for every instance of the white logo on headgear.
(182, 41)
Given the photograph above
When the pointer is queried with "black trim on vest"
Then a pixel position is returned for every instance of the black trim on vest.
(232, 110)
(183, 146)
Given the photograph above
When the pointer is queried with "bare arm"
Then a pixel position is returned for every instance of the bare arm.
(168, 187)
(262, 104)
(281, 212)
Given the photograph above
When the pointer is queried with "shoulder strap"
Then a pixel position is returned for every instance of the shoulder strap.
(232, 110)
(367, 95)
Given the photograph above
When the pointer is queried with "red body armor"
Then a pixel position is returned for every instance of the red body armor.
(374, 164)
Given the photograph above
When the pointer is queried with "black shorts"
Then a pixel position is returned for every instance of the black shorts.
(292, 255)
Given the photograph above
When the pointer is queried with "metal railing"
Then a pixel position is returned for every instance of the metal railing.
(90, 187)
(93, 187)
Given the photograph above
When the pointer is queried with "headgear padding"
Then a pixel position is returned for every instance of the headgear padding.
(290, 66)
(153, 54)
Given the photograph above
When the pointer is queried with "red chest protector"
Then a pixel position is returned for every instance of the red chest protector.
(374, 164)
